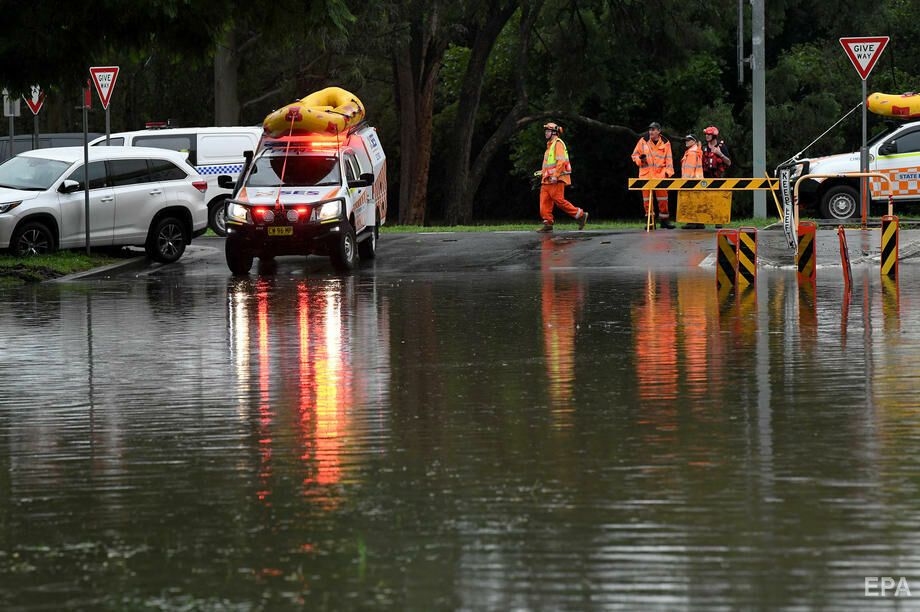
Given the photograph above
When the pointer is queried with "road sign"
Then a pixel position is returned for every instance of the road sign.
(864, 51)
(36, 101)
(104, 79)
(10, 105)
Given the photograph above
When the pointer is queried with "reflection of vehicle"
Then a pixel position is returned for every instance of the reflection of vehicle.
(894, 153)
(309, 194)
(144, 197)
(212, 151)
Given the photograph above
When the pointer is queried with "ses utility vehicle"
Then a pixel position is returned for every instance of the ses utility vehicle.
(894, 153)
(309, 194)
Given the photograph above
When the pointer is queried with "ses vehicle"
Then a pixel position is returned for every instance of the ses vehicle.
(309, 194)
(894, 153)
(213, 151)
(137, 197)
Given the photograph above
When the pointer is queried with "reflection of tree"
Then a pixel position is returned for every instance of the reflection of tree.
(561, 301)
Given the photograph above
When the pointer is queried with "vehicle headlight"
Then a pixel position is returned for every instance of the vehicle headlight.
(328, 211)
(8, 206)
(237, 212)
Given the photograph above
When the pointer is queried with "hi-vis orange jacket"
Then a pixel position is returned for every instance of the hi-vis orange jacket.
(658, 162)
(556, 162)
(691, 166)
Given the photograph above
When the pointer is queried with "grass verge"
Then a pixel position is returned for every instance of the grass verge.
(19, 270)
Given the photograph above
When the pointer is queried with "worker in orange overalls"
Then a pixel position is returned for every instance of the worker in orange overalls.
(554, 176)
(691, 165)
(653, 156)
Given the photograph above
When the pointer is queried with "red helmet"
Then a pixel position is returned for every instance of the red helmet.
(712, 130)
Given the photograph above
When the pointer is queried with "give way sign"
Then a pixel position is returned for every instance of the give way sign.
(36, 101)
(864, 51)
(104, 79)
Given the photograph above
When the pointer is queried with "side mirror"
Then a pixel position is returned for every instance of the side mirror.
(226, 182)
(368, 177)
(358, 183)
(69, 186)
(888, 148)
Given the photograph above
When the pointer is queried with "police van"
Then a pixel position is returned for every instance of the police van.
(212, 151)
(894, 153)
(309, 194)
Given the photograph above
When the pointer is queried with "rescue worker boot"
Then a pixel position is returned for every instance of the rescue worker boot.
(665, 224)
(547, 227)
(692, 226)
(582, 219)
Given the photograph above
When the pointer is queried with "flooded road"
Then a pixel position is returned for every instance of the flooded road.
(549, 438)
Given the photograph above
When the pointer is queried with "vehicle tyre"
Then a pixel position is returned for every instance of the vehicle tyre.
(367, 248)
(238, 260)
(166, 243)
(32, 238)
(840, 202)
(344, 255)
(217, 217)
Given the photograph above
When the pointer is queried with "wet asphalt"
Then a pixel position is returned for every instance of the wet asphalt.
(438, 252)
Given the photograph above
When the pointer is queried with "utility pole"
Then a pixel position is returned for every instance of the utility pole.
(759, 80)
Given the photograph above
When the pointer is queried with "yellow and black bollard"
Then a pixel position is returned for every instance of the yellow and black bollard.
(805, 258)
(726, 259)
(890, 246)
(747, 257)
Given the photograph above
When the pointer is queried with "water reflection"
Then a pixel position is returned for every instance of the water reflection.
(304, 344)
(562, 294)
(386, 443)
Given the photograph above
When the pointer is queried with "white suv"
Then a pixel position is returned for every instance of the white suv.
(894, 153)
(213, 151)
(137, 197)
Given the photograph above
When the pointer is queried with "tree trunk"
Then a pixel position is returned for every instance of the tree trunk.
(416, 65)
(459, 207)
(226, 80)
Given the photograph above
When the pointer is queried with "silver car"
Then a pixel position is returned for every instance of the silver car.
(137, 197)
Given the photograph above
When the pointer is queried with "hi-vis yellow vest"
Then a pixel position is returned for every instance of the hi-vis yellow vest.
(551, 165)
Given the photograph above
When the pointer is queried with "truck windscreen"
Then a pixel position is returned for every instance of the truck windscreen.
(300, 171)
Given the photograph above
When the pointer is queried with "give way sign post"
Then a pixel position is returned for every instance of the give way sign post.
(104, 78)
(864, 52)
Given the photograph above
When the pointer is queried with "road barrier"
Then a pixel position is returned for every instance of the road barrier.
(798, 181)
(697, 185)
(890, 246)
(715, 184)
(805, 257)
(845, 258)
(726, 258)
(747, 256)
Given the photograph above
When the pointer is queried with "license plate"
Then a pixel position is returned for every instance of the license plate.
(286, 230)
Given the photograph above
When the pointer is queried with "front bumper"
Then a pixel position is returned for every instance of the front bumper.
(306, 238)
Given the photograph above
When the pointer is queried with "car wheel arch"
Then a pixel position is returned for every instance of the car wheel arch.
(46, 219)
(182, 213)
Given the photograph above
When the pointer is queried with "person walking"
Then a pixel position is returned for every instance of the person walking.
(691, 166)
(554, 176)
(715, 155)
(653, 156)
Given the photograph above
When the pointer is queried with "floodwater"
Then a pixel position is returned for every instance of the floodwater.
(555, 440)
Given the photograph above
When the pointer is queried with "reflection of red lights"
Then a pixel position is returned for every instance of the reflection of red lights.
(265, 415)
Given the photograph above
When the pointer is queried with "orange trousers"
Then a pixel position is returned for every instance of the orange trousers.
(662, 198)
(554, 194)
